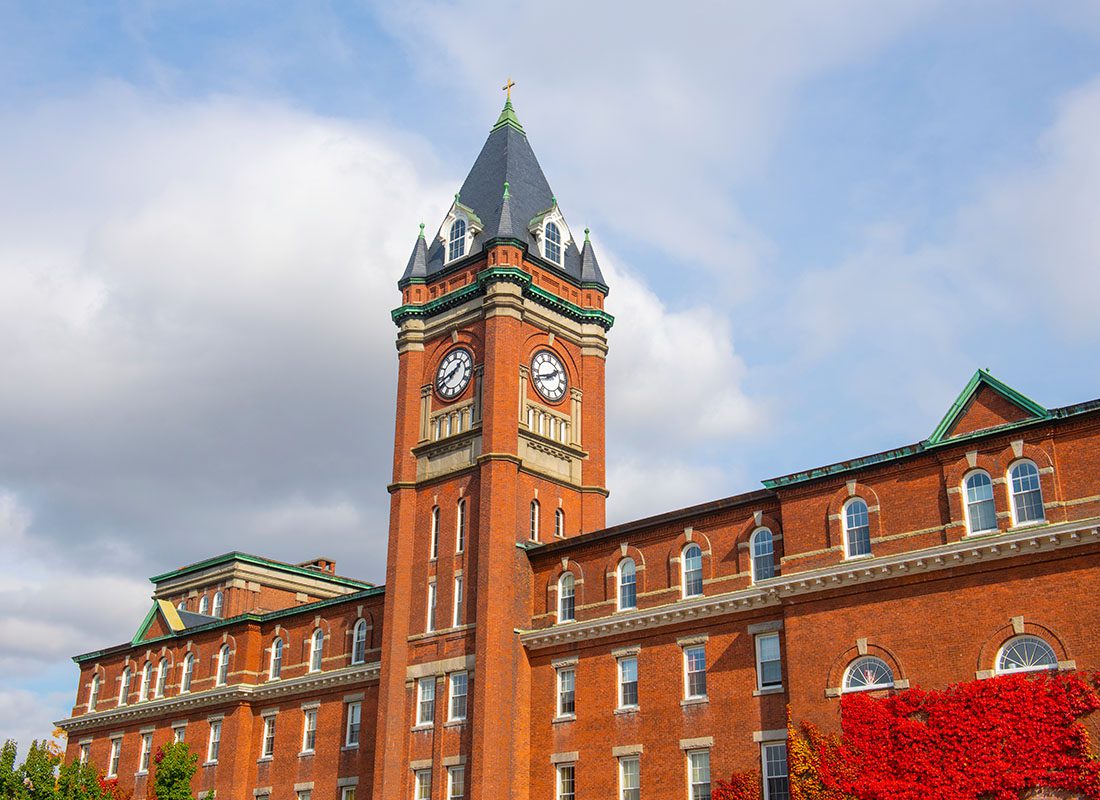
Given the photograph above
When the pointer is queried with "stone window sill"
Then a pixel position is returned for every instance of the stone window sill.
(454, 723)
(768, 690)
(213, 763)
(423, 726)
(348, 747)
(695, 701)
(306, 754)
(565, 718)
(264, 759)
(626, 710)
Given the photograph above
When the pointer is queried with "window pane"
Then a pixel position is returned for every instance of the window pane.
(693, 571)
(699, 774)
(980, 510)
(566, 784)
(1027, 495)
(857, 528)
(868, 673)
(763, 563)
(629, 779)
(628, 680)
(1026, 654)
(776, 786)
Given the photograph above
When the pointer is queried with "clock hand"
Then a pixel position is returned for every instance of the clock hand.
(452, 371)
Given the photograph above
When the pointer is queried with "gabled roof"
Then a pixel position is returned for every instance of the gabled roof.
(506, 158)
(1027, 409)
(268, 563)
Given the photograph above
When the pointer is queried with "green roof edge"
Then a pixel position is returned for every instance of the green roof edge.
(250, 617)
(508, 119)
(979, 378)
(145, 623)
(236, 555)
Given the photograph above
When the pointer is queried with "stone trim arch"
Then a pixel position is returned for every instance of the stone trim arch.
(835, 514)
(986, 666)
(566, 565)
(839, 665)
(743, 542)
(611, 571)
(676, 554)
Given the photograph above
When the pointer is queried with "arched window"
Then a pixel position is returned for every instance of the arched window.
(434, 541)
(628, 584)
(763, 555)
(552, 246)
(316, 650)
(359, 642)
(204, 605)
(457, 240)
(692, 577)
(1025, 654)
(162, 678)
(534, 520)
(275, 670)
(93, 693)
(981, 515)
(460, 527)
(223, 666)
(219, 604)
(1027, 494)
(559, 523)
(146, 682)
(567, 598)
(867, 673)
(188, 672)
(857, 528)
(124, 687)
(182, 605)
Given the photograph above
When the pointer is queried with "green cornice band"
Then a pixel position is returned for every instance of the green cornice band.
(514, 275)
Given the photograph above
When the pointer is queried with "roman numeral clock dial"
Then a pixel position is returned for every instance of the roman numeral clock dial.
(548, 375)
(454, 373)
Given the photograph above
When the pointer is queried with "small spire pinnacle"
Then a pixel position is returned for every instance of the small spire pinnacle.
(506, 190)
(508, 116)
(421, 230)
(456, 196)
(553, 201)
(585, 233)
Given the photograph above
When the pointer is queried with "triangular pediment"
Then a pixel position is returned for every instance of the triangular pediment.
(162, 620)
(985, 404)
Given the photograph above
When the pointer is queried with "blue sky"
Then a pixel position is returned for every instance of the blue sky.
(817, 220)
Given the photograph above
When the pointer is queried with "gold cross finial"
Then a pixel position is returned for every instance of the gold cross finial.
(507, 87)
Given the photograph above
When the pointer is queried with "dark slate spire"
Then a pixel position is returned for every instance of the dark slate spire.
(590, 267)
(506, 158)
(418, 261)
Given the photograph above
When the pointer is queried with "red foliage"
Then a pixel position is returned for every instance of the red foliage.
(982, 740)
(741, 786)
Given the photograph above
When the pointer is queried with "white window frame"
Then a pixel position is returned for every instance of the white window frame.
(536, 520)
(187, 673)
(422, 784)
(691, 756)
(559, 523)
(845, 529)
(684, 571)
(688, 649)
(452, 696)
(561, 244)
(317, 650)
(146, 753)
(764, 776)
(433, 541)
(146, 681)
(561, 618)
(162, 678)
(355, 718)
(758, 644)
(93, 692)
(267, 742)
(222, 674)
(450, 239)
(275, 661)
(460, 770)
(619, 585)
(1018, 670)
(964, 491)
(570, 670)
(218, 607)
(623, 788)
(85, 751)
(124, 686)
(204, 605)
(622, 684)
(460, 526)
(425, 705)
(756, 536)
(359, 642)
(214, 741)
(115, 757)
(433, 598)
(309, 730)
(456, 611)
(347, 793)
(1010, 483)
(558, 792)
(846, 677)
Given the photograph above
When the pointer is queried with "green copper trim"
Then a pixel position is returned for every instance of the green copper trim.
(515, 275)
(307, 608)
(421, 230)
(145, 623)
(508, 119)
(263, 562)
(506, 190)
(977, 380)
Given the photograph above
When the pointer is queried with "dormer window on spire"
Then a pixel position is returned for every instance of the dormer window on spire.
(456, 243)
(552, 243)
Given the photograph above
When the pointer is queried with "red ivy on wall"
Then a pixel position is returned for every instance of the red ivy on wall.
(996, 739)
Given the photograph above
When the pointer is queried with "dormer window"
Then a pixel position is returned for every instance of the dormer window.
(552, 243)
(456, 241)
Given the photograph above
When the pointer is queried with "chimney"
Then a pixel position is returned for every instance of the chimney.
(321, 564)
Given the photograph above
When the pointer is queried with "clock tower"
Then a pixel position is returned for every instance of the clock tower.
(499, 445)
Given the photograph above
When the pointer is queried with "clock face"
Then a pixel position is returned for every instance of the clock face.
(548, 375)
(454, 373)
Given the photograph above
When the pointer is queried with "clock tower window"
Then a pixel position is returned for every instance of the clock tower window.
(534, 520)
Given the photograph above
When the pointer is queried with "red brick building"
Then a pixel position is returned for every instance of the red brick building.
(522, 649)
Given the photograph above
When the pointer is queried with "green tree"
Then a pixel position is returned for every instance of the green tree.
(8, 783)
(76, 781)
(35, 776)
(175, 765)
